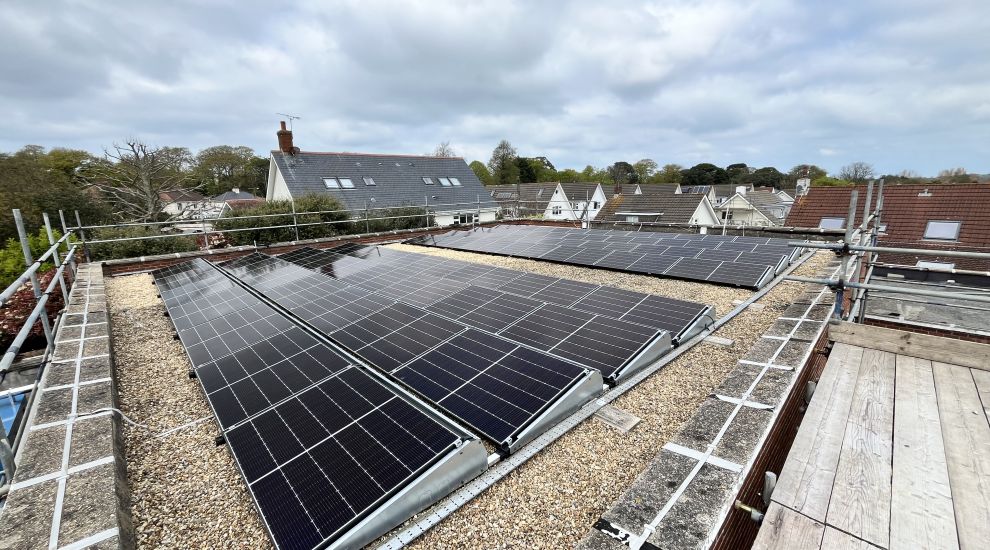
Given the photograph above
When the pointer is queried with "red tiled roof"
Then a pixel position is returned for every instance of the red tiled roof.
(907, 209)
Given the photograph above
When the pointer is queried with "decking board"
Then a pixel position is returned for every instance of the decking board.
(785, 529)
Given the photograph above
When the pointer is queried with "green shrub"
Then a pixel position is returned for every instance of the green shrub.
(413, 218)
(133, 249)
(238, 219)
(12, 257)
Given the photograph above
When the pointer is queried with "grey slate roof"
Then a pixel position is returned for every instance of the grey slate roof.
(675, 208)
(579, 191)
(232, 196)
(398, 179)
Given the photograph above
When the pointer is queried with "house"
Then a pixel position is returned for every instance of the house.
(522, 200)
(950, 217)
(657, 207)
(178, 201)
(236, 194)
(361, 181)
(656, 188)
(575, 201)
(760, 208)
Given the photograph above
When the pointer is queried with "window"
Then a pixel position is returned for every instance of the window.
(444, 182)
(936, 266)
(594, 205)
(556, 210)
(832, 223)
(455, 182)
(369, 181)
(942, 231)
(632, 219)
(331, 183)
(428, 181)
(346, 183)
(882, 228)
(465, 218)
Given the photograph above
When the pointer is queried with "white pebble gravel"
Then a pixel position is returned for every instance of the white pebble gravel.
(186, 492)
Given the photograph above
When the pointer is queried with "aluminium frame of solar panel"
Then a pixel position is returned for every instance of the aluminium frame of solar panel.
(440, 457)
(366, 337)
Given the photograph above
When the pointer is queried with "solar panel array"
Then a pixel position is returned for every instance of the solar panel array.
(425, 280)
(731, 260)
(321, 443)
(492, 384)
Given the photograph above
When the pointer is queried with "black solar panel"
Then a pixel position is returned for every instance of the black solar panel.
(321, 444)
(649, 253)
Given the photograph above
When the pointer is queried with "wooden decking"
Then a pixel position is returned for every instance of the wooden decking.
(894, 450)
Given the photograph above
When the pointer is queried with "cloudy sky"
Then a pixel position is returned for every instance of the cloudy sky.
(902, 84)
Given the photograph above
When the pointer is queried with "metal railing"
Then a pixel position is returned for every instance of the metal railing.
(39, 314)
(859, 252)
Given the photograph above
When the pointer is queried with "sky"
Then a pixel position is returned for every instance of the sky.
(901, 84)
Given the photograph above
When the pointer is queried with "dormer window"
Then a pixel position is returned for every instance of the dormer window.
(942, 230)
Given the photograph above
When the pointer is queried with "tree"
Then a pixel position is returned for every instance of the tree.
(36, 182)
(222, 167)
(622, 173)
(955, 175)
(670, 173)
(826, 181)
(528, 173)
(481, 171)
(503, 163)
(856, 172)
(768, 176)
(704, 174)
(134, 174)
(568, 175)
(738, 172)
(646, 168)
(443, 149)
(809, 171)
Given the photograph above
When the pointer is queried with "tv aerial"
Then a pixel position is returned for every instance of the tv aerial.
(290, 117)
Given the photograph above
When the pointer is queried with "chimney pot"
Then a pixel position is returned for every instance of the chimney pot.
(285, 139)
(236, 190)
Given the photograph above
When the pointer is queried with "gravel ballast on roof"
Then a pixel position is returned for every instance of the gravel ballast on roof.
(187, 492)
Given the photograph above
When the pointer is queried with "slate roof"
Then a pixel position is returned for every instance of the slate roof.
(907, 211)
(579, 191)
(662, 189)
(181, 195)
(398, 179)
(676, 208)
(235, 196)
(769, 204)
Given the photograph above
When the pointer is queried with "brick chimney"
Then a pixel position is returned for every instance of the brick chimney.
(285, 140)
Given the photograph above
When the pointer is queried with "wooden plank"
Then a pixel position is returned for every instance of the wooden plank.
(860, 503)
(786, 529)
(805, 482)
(837, 540)
(967, 452)
(921, 502)
(982, 379)
(925, 346)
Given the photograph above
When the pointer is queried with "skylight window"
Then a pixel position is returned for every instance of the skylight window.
(331, 183)
(369, 181)
(346, 183)
(936, 266)
(832, 223)
(444, 182)
(428, 181)
(455, 182)
(942, 231)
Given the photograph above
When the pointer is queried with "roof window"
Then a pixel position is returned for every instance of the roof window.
(369, 180)
(936, 266)
(346, 183)
(832, 223)
(428, 181)
(942, 230)
(444, 182)
(331, 183)
(455, 182)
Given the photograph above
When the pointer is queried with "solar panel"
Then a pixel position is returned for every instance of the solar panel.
(649, 253)
(323, 445)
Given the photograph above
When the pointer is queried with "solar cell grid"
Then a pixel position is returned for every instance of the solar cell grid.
(599, 248)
